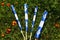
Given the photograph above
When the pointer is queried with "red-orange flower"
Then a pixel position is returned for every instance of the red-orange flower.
(57, 25)
(14, 23)
(2, 35)
(8, 31)
(2, 3)
(8, 4)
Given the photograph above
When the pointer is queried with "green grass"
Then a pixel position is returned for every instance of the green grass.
(49, 32)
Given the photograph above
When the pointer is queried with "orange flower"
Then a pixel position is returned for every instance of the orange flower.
(57, 25)
(2, 3)
(2, 35)
(8, 31)
(8, 4)
(14, 23)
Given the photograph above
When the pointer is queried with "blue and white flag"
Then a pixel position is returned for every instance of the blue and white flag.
(37, 35)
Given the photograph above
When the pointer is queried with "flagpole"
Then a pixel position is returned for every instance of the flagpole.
(26, 17)
(34, 18)
(37, 35)
(15, 14)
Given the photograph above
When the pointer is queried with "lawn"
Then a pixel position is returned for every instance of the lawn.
(9, 29)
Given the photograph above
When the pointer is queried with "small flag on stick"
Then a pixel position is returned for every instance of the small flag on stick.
(26, 17)
(37, 35)
(34, 17)
(15, 14)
